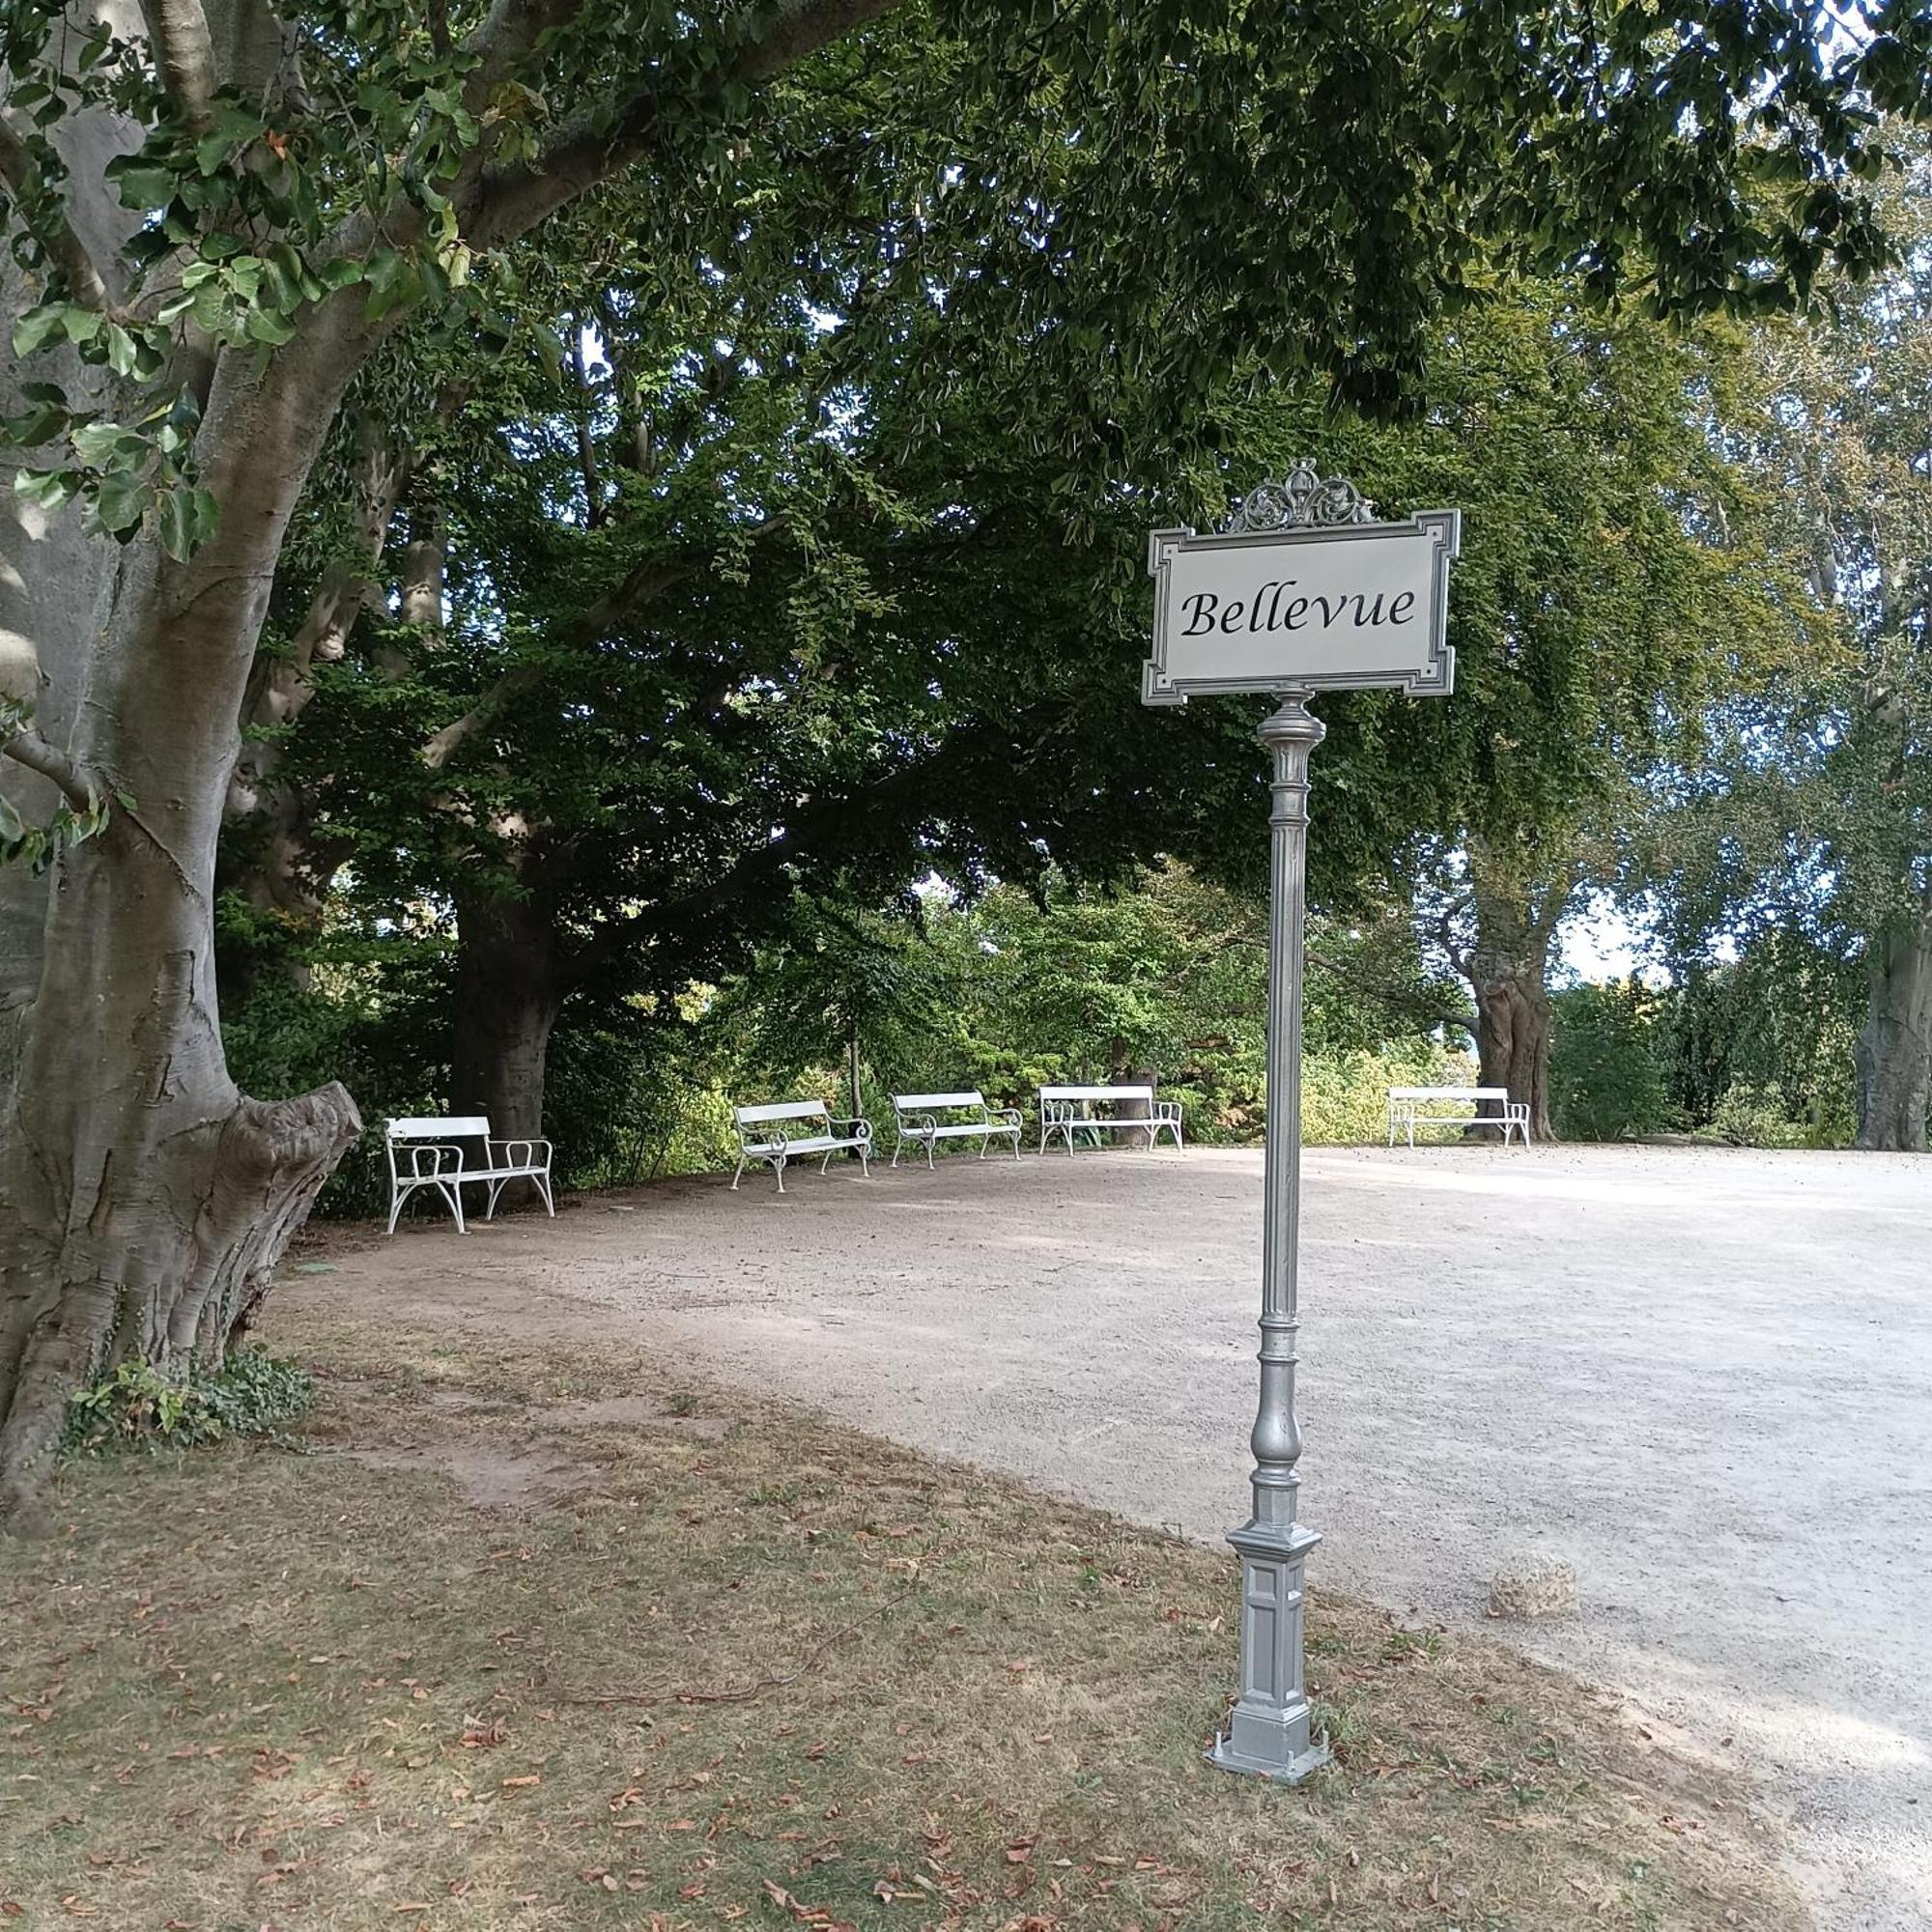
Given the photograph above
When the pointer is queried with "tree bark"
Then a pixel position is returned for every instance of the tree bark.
(144, 1200)
(1893, 1053)
(1508, 971)
(509, 990)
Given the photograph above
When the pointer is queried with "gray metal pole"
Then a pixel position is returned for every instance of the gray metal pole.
(1269, 1730)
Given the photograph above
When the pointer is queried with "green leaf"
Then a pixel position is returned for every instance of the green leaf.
(265, 324)
(142, 184)
(187, 519)
(120, 503)
(47, 489)
(123, 353)
(38, 326)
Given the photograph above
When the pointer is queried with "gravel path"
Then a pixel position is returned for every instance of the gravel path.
(1704, 1377)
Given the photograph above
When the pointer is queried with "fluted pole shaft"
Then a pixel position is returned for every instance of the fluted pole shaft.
(1270, 1730)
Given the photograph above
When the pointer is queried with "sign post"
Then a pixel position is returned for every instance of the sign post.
(1305, 591)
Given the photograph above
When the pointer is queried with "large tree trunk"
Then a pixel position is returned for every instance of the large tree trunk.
(1894, 1053)
(1508, 971)
(509, 990)
(143, 1199)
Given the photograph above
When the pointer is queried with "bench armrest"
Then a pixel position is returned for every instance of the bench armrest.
(1010, 1115)
(439, 1151)
(529, 1157)
(913, 1121)
(859, 1127)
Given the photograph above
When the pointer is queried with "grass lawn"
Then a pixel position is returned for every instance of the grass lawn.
(530, 1637)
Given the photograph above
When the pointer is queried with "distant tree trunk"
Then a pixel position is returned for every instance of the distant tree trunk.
(1508, 971)
(509, 990)
(1893, 1053)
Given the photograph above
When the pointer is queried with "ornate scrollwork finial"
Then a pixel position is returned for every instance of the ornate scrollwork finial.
(1305, 499)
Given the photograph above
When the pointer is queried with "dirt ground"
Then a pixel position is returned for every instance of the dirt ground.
(1703, 1378)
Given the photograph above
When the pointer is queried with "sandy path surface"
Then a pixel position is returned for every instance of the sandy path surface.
(1702, 1376)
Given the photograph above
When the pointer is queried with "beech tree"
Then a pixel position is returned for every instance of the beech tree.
(217, 213)
(1619, 578)
(1814, 814)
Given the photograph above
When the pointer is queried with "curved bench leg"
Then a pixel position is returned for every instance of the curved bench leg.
(736, 1178)
(778, 1169)
(543, 1185)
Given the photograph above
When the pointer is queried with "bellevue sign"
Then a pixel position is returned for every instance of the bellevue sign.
(1305, 591)
(1282, 602)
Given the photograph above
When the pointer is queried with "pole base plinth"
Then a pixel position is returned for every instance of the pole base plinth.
(1270, 1730)
(1278, 1759)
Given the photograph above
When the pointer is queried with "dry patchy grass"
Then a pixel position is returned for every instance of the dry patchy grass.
(537, 1639)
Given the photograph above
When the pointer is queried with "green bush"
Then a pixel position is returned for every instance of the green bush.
(1345, 1096)
(1606, 1076)
(139, 1405)
(1752, 1116)
(377, 1018)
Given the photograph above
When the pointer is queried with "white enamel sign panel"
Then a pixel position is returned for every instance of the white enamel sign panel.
(1331, 607)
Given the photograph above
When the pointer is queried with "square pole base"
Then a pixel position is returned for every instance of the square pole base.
(1271, 1730)
(1286, 1765)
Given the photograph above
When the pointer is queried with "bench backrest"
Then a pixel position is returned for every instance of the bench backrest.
(924, 1103)
(431, 1127)
(782, 1110)
(1448, 1092)
(1096, 1093)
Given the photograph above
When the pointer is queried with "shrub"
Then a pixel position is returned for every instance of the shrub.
(1345, 1096)
(1753, 1116)
(1606, 1062)
(252, 1393)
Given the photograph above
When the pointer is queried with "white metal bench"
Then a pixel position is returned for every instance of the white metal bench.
(916, 1118)
(760, 1137)
(1413, 1107)
(432, 1157)
(1066, 1111)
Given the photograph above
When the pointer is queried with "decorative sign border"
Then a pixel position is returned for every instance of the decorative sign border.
(1436, 678)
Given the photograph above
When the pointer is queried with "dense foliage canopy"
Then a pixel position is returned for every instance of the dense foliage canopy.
(752, 419)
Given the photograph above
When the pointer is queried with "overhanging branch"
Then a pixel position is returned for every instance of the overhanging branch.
(44, 218)
(591, 147)
(30, 749)
(185, 53)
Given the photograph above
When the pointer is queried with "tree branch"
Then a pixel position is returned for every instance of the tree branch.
(504, 39)
(30, 749)
(185, 53)
(507, 202)
(441, 749)
(1417, 1006)
(44, 218)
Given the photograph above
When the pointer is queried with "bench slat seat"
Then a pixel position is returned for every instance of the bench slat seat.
(916, 1118)
(761, 1136)
(1413, 1107)
(1068, 1110)
(432, 1155)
